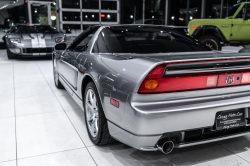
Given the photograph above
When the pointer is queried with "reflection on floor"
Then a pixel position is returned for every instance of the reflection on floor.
(42, 126)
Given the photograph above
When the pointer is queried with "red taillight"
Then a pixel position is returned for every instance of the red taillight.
(114, 102)
(157, 82)
(170, 84)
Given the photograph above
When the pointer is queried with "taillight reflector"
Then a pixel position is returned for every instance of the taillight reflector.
(245, 78)
(114, 102)
(212, 81)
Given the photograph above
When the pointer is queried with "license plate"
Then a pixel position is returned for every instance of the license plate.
(230, 119)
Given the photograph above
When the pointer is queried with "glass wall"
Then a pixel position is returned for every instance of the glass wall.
(131, 12)
(90, 4)
(71, 16)
(109, 5)
(53, 14)
(212, 9)
(73, 29)
(195, 9)
(177, 12)
(39, 14)
(90, 16)
(72, 4)
(155, 12)
(79, 14)
(180, 12)
(109, 17)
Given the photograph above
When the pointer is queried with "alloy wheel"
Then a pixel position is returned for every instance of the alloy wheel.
(210, 45)
(92, 115)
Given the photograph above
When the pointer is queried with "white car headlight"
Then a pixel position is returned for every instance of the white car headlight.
(59, 39)
(15, 40)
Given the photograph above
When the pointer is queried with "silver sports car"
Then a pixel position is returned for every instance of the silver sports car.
(153, 88)
(32, 40)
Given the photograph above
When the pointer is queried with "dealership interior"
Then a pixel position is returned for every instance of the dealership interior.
(44, 122)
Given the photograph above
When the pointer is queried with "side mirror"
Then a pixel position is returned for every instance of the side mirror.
(60, 46)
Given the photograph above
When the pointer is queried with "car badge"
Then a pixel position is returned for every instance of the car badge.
(229, 79)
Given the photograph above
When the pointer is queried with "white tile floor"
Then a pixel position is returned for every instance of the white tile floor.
(42, 126)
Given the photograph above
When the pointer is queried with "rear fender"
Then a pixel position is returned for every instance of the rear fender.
(202, 30)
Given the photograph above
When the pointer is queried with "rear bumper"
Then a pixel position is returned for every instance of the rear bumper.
(145, 123)
(148, 143)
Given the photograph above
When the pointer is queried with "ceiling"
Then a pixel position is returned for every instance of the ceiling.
(5, 2)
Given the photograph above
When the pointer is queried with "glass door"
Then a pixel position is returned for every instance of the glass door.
(39, 14)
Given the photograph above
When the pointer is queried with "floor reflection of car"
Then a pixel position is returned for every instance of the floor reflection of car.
(32, 40)
(154, 88)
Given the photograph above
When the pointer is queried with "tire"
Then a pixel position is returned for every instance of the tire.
(10, 55)
(58, 84)
(96, 122)
(211, 42)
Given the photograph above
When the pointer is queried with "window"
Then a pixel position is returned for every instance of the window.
(109, 5)
(72, 29)
(178, 12)
(241, 14)
(248, 11)
(109, 17)
(131, 12)
(90, 4)
(155, 10)
(194, 10)
(229, 8)
(39, 14)
(71, 16)
(144, 40)
(71, 4)
(80, 44)
(87, 16)
(213, 9)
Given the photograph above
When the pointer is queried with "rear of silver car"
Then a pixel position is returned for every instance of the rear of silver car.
(188, 117)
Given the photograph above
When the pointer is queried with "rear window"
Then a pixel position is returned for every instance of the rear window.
(143, 40)
(35, 29)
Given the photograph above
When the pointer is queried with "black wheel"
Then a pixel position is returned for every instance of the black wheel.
(95, 119)
(56, 76)
(211, 42)
(10, 55)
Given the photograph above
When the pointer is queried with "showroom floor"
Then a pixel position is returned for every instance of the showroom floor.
(42, 126)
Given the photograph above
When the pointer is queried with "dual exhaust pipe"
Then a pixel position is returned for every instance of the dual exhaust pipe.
(165, 147)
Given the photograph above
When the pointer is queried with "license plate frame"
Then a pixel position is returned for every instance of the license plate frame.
(230, 119)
